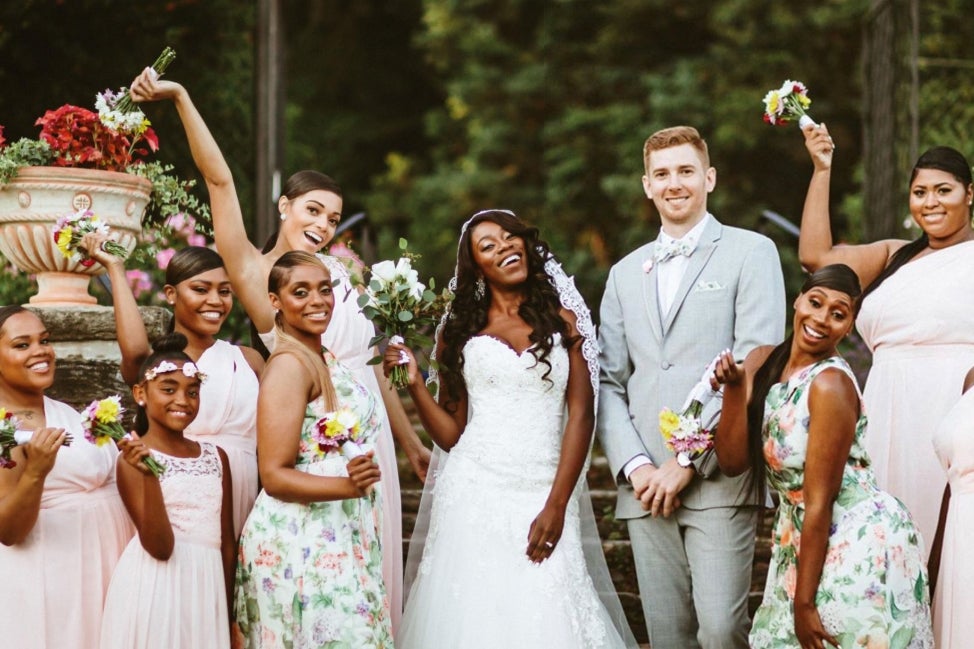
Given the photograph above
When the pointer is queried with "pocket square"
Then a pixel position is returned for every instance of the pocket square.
(708, 286)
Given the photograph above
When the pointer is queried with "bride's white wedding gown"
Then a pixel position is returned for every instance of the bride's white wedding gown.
(475, 586)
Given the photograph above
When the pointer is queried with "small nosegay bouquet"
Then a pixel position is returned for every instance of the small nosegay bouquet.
(71, 229)
(12, 436)
(102, 423)
(398, 304)
(788, 103)
(338, 430)
(684, 431)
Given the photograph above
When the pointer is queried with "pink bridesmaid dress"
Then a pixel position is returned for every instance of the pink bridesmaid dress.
(53, 584)
(228, 418)
(953, 622)
(919, 325)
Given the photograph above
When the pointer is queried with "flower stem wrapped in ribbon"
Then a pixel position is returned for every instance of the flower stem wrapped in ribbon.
(125, 103)
(11, 436)
(398, 304)
(684, 431)
(102, 423)
(788, 103)
(71, 229)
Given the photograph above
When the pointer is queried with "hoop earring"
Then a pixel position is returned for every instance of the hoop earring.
(479, 289)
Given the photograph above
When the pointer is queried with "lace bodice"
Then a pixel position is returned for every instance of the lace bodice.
(192, 488)
(516, 415)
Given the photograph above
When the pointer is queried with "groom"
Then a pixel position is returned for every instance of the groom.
(669, 308)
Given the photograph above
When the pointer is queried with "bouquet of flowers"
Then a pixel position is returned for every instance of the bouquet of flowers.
(788, 103)
(102, 422)
(684, 431)
(117, 137)
(11, 436)
(398, 304)
(338, 431)
(70, 229)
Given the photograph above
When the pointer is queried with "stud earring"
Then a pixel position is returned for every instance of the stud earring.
(142, 404)
(479, 289)
(283, 216)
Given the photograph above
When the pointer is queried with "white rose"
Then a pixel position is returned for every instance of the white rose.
(384, 271)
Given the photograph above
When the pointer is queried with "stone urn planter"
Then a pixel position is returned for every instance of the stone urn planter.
(33, 201)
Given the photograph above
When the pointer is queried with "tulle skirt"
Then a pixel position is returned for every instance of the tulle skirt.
(176, 604)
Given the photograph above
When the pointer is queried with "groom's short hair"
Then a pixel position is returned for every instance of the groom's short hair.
(675, 136)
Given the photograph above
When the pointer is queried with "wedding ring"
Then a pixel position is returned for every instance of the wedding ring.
(549, 544)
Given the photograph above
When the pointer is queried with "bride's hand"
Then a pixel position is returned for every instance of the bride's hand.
(545, 533)
(147, 87)
(397, 355)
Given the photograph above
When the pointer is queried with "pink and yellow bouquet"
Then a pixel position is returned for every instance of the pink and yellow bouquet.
(683, 432)
(102, 422)
(788, 103)
(70, 229)
(338, 431)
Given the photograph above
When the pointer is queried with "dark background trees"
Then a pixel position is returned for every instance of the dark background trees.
(427, 110)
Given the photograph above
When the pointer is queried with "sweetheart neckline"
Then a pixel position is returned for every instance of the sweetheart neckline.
(505, 344)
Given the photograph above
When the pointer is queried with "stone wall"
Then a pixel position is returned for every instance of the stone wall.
(86, 348)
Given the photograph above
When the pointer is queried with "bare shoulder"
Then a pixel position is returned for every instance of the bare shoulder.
(756, 357)
(833, 384)
(253, 358)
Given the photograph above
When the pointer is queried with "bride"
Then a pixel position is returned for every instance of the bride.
(504, 560)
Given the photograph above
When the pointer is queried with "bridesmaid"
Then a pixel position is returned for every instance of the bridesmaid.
(310, 208)
(198, 290)
(915, 316)
(847, 565)
(953, 441)
(309, 572)
(62, 522)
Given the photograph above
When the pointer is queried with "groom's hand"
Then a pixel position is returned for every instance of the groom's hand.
(662, 492)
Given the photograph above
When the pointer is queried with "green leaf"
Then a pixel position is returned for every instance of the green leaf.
(375, 360)
(403, 244)
(362, 300)
(376, 340)
(405, 316)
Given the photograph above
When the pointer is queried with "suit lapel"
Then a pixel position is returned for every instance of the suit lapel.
(698, 260)
(650, 294)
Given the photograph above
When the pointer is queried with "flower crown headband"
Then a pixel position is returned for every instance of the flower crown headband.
(189, 369)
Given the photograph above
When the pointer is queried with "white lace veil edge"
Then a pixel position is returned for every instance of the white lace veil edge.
(595, 562)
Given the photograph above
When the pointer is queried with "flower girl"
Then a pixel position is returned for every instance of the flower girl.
(170, 588)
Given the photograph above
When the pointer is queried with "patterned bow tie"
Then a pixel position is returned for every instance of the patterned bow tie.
(673, 248)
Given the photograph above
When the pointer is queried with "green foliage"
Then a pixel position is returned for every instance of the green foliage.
(23, 153)
(170, 196)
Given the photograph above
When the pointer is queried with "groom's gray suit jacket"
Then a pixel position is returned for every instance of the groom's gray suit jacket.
(731, 297)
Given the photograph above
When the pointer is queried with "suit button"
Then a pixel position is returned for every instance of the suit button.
(666, 365)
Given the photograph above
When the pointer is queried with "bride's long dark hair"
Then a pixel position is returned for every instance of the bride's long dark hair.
(541, 307)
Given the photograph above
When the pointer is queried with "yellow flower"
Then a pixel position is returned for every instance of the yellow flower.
(107, 411)
(333, 428)
(669, 421)
(64, 241)
(3, 413)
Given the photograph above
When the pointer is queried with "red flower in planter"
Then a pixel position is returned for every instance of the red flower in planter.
(79, 139)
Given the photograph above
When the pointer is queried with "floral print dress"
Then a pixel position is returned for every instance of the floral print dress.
(873, 591)
(310, 575)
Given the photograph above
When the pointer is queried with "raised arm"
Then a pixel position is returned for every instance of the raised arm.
(244, 262)
(731, 437)
(575, 445)
(133, 341)
(815, 246)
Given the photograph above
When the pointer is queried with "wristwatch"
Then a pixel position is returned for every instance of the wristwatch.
(684, 459)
